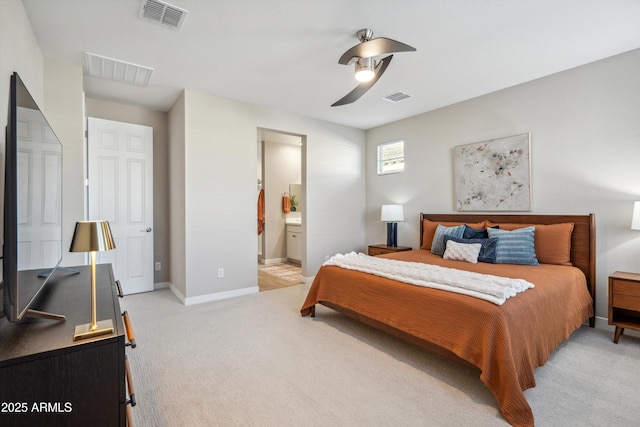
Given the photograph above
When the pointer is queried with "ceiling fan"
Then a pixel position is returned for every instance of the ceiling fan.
(367, 69)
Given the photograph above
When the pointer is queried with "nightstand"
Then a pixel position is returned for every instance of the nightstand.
(384, 249)
(624, 302)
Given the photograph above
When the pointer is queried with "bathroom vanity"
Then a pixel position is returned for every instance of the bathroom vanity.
(294, 241)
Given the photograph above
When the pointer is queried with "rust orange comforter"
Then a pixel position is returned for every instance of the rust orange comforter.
(505, 342)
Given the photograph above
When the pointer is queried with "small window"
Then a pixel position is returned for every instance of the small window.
(390, 157)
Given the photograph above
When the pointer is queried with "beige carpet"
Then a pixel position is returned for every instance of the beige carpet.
(253, 361)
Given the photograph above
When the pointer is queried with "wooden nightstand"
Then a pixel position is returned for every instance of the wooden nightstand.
(624, 302)
(384, 249)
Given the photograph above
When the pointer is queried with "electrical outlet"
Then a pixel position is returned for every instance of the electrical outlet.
(220, 272)
(158, 266)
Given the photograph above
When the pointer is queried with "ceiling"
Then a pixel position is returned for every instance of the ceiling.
(283, 54)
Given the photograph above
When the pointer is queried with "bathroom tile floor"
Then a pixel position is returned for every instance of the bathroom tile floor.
(287, 271)
(273, 276)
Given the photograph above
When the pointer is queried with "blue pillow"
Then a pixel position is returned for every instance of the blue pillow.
(487, 247)
(437, 245)
(515, 246)
(474, 233)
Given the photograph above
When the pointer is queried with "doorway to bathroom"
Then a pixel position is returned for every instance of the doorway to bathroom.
(281, 203)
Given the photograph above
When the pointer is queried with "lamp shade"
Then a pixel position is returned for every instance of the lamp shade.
(635, 218)
(92, 236)
(392, 213)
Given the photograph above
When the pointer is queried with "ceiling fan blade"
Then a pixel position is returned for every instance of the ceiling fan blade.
(375, 47)
(362, 88)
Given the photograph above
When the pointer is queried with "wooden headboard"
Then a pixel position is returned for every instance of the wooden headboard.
(583, 238)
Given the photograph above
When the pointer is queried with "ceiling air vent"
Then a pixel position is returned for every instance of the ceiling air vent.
(113, 69)
(396, 97)
(162, 13)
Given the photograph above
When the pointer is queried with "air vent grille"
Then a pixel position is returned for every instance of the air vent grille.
(163, 13)
(113, 69)
(396, 97)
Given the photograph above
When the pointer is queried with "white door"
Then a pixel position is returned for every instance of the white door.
(121, 192)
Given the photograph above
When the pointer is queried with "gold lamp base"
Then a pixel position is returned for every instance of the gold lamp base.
(103, 327)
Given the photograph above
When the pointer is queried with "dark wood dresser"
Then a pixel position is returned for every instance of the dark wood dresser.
(47, 378)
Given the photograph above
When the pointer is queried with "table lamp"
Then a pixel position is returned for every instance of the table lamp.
(92, 236)
(391, 214)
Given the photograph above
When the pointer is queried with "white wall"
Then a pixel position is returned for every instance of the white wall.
(585, 145)
(57, 89)
(220, 187)
(177, 192)
(64, 109)
(20, 52)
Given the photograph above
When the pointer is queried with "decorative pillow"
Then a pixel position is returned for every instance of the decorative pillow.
(437, 246)
(509, 226)
(552, 241)
(462, 251)
(429, 230)
(487, 247)
(474, 233)
(515, 246)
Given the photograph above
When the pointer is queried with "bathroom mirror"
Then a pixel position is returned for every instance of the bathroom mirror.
(295, 193)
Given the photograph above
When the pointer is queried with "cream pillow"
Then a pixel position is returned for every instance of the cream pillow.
(462, 251)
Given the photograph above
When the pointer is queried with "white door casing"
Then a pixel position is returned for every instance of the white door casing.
(120, 163)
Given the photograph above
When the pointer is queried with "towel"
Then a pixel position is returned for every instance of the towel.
(260, 212)
(286, 204)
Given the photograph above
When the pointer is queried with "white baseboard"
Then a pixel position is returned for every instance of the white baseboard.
(161, 285)
(213, 297)
(275, 261)
(177, 293)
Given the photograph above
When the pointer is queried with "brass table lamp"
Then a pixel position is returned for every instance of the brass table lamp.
(92, 236)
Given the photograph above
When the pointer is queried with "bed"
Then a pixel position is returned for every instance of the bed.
(507, 342)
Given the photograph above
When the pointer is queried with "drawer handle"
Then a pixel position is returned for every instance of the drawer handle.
(132, 392)
(131, 337)
(119, 286)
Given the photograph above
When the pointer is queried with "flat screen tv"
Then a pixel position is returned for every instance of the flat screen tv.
(32, 225)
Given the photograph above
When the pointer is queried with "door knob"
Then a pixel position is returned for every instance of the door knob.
(148, 230)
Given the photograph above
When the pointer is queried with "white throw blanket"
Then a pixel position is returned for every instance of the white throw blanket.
(495, 289)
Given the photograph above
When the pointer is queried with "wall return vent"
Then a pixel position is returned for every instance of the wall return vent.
(162, 13)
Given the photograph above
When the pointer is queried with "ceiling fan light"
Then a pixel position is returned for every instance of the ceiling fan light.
(365, 69)
(364, 73)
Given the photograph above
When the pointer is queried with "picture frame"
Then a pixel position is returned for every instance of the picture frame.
(493, 175)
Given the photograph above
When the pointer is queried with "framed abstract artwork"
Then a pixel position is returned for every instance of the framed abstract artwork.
(493, 175)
